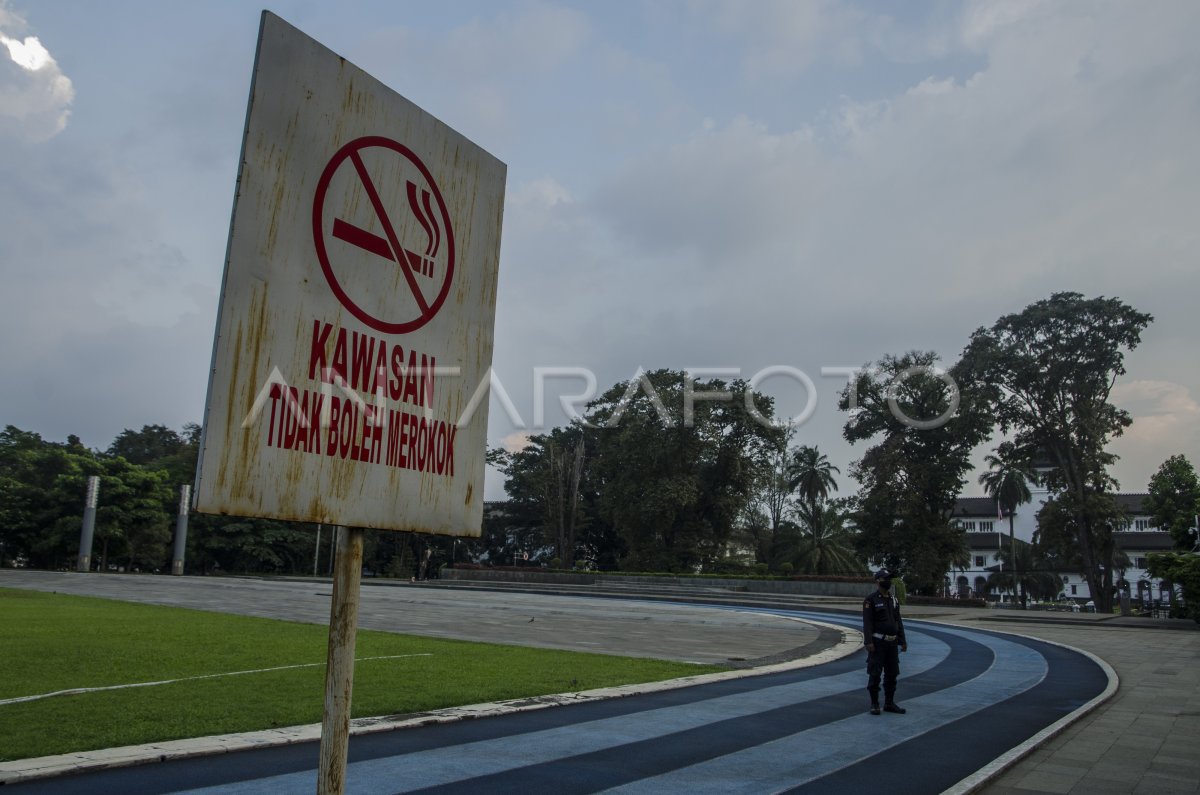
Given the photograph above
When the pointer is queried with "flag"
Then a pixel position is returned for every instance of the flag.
(999, 510)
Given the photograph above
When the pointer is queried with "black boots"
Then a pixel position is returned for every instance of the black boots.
(874, 709)
(891, 707)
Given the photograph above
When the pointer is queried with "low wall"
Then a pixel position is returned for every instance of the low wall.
(515, 575)
(802, 587)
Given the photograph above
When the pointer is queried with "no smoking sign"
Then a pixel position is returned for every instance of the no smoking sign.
(383, 235)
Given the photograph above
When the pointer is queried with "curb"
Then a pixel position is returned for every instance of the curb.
(992, 770)
(128, 756)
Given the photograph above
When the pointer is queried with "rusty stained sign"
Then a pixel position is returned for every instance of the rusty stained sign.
(357, 309)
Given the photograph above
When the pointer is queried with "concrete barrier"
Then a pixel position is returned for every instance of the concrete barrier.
(853, 588)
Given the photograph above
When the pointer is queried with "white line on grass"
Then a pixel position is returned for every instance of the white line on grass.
(78, 690)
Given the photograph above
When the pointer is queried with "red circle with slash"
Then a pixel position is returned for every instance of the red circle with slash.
(387, 247)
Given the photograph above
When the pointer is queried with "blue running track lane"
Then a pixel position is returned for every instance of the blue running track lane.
(971, 696)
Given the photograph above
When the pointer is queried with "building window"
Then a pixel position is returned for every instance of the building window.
(1139, 563)
(1141, 524)
(1074, 590)
(968, 526)
(979, 561)
(985, 527)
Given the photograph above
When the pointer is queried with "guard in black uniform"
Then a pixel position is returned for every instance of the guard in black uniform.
(883, 635)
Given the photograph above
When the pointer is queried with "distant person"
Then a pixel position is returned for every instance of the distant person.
(883, 635)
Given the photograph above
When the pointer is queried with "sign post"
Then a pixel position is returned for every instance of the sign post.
(339, 673)
(354, 335)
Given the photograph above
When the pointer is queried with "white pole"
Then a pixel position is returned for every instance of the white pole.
(317, 551)
(185, 492)
(84, 563)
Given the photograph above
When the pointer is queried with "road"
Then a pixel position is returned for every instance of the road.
(972, 695)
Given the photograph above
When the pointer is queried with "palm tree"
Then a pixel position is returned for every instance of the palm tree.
(1027, 570)
(810, 473)
(1007, 481)
(825, 544)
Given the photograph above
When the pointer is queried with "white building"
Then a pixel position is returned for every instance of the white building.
(987, 531)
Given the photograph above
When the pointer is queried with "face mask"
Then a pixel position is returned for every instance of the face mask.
(885, 584)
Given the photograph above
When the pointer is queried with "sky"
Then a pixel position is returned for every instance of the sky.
(744, 188)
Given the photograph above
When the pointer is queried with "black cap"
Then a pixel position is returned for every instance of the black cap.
(883, 574)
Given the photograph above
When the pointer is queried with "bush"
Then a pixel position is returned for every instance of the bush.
(1182, 569)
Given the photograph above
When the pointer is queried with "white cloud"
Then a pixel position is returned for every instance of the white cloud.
(809, 184)
(476, 74)
(516, 442)
(35, 96)
(1163, 411)
(983, 20)
(544, 192)
(784, 38)
(1166, 421)
(28, 54)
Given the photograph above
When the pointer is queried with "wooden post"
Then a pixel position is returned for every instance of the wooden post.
(339, 674)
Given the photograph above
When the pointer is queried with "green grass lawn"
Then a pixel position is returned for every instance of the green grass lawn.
(51, 642)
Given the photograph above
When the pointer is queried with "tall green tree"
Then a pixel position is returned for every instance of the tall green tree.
(43, 486)
(923, 428)
(1007, 482)
(1027, 571)
(135, 507)
(1182, 569)
(811, 474)
(1051, 369)
(674, 474)
(826, 542)
(151, 444)
(765, 527)
(545, 484)
(1174, 501)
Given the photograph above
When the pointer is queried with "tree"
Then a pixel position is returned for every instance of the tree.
(1059, 528)
(1182, 569)
(810, 473)
(826, 544)
(1007, 482)
(1027, 570)
(765, 527)
(151, 444)
(1050, 370)
(924, 428)
(544, 483)
(43, 486)
(135, 507)
(672, 484)
(1174, 501)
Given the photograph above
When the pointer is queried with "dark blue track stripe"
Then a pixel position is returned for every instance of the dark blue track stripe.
(630, 762)
(1071, 681)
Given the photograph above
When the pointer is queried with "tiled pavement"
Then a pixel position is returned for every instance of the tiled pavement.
(1146, 739)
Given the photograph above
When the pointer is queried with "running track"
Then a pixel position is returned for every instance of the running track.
(971, 696)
